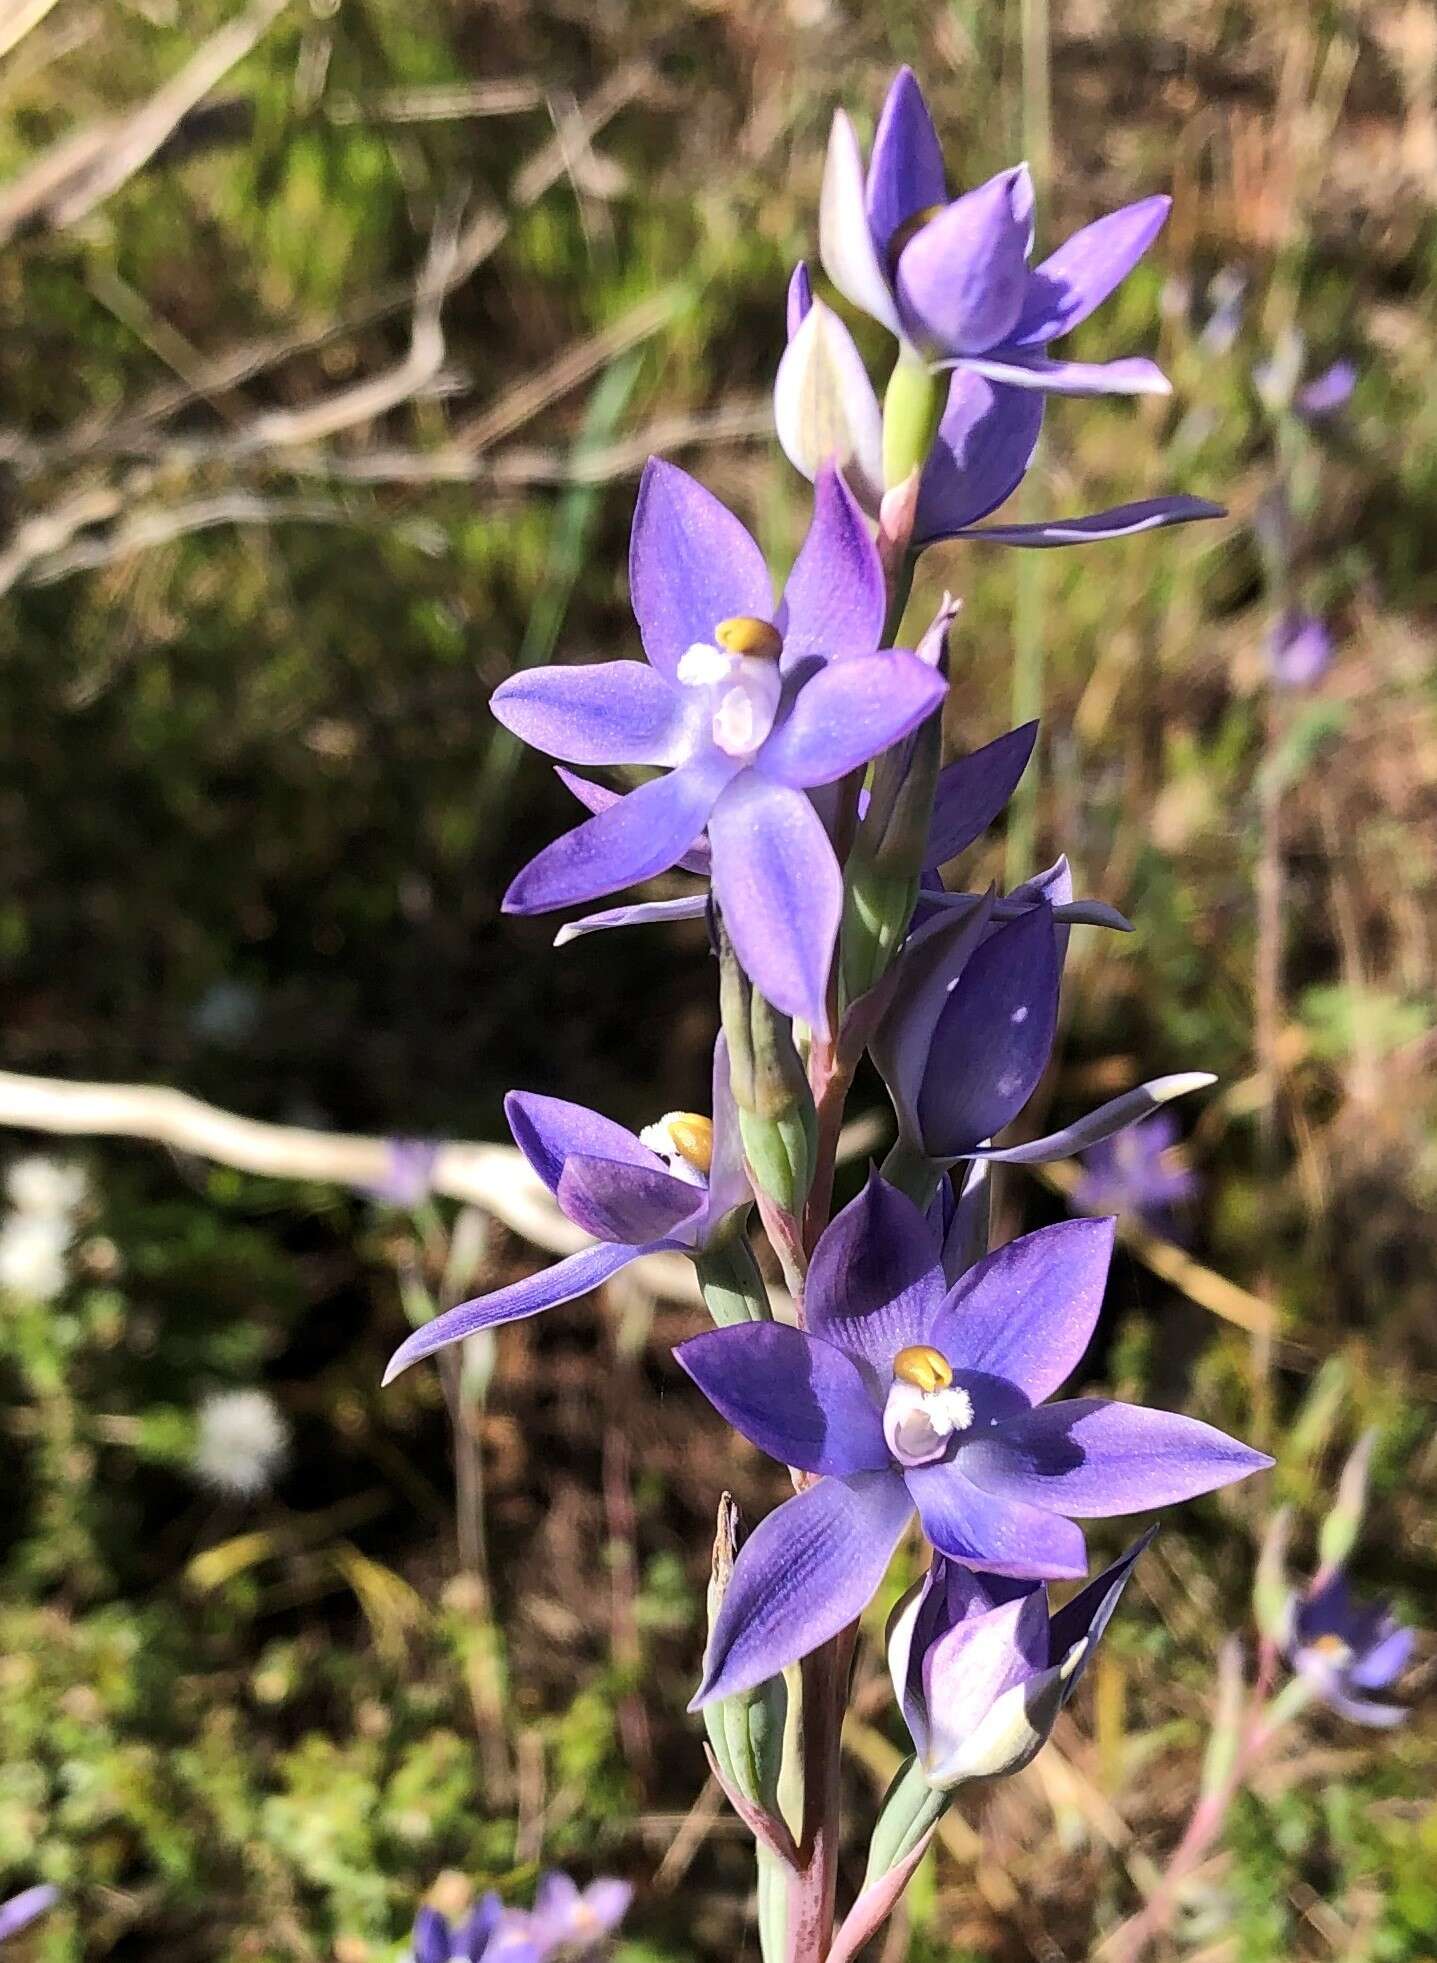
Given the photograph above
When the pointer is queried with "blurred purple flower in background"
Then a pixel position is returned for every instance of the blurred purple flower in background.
(23, 1909)
(565, 1922)
(1137, 1173)
(1345, 1649)
(1299, 649)
(490, 1933)
(405, 1181)
(1327, 392)
(571, 1921)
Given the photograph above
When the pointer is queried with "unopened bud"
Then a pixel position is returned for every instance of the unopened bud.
(745, 1731)
(770, 1087)
(1271, 1593)
(1340, 1529)
(912, 408)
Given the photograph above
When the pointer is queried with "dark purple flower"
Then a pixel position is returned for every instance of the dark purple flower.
(670, 1187)
(490, 1933)
(1299, 649)
(906, 1394)
(570, 1921)
(981, 1666)
(1345, 1649)
(748, 705)
(1326, 393)
(826, 412)
(1136, 1172)
(23, 1909)
(951, 277)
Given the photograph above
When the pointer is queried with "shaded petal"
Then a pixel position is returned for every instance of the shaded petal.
(780, 891)
(1097, 1458)
(1123, 521)
(477, 1929)
(985, 1530)
(972, 792)
(993, 1038)
(1115, 1116)
(929, 966)
(803, 1574)
(550, 1130)
(905, 170)
(1384, 1662)
(875, 1283)
(599, 797)
(1132, 375)
(1026, 1312)
(646, 832)
(961, 279)
(972, 1663)
(614, 1201)
(799, 1399)
(1328, 391)
(728, 1170)
(965, 1241)
(825, 410)
(22, 1909)
(849, 713)
(800, 297)
(647, 913)
(984, 444)
(835, 598)
(1084, 270)
(1087, 1614)
(431, 1942)
(577, 1274)
(602, 712)
(691, 565)
(845, 241)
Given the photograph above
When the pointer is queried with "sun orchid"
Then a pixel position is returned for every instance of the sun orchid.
(1345, 1649)
(907, 1396)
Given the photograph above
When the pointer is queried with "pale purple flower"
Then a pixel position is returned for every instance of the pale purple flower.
(406, 1180)
(1299, 649)
(1326, 393)
(826, 411)
(23, 1909)
(1346, 1649)
(670, 1187)
(907, 1395)
(748, 704)
(1137, 1173)
(567, 1920)
(981, 1666)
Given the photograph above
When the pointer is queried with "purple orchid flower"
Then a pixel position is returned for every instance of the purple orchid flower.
(1299, 649)
(1326, 393)
(826, 411)
(1136, 1173)
(970, 1028)
(981, 1666)
(490, 1933)
(1345, 1649)
(671, 1186)
(748, 705)
(572, 1921)
(407, 1179)
(23, 1909)
(906, 1395)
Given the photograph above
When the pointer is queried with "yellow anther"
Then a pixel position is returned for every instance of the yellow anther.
(693, 1138)
(1330, 1646)
(923, 1367)
(909, 230)
(744, 634)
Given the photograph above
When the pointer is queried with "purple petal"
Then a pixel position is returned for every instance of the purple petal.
(1095, 1458)
(615, 1201)
(780, 891)
(799, 1399)
(1299, 649)
(845, 239)
(1328, 392)
(1133, 375)
(21, 1910)
(1088, 1613)
(905, 171)
(826, 413)
(691, 565)
(875, 1282)
(606, 1903)
(993, 1038)
(1025, 1313)
(598, 797)
(1123, 521)
(728, 1172)
(1385, 1662)
(578, 1274)
(961, 280)
(972, 792)
(800, 297)
(984, 445)
(835, 599)
(804, 1573)
(477, 1929)
(969, 1667)
(647, 913)
(929, 966)
(849, 713)
(645, 833)
(550, 1130)
(432, 1941)
(965, 1241)
(603, 712)
(1115, 1116)
(1083, 271)
(986, 1530)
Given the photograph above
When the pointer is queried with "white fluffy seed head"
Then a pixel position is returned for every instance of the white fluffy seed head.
(34, 1249)
(41, 1185)
(241, 1441)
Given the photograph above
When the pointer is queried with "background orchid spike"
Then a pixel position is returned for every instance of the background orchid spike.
(981, 1666)
(636, 1194)
(749, 705)
(905, 1395)
(827, 411)
(1344, 1649)
(1137, 1172)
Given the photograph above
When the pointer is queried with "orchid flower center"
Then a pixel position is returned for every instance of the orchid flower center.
(924, 1407)
(685, 1142)
(1332, 1647)
(909, 230)
(739, 672)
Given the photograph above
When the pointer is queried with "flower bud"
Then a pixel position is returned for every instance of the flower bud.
(1271, 1590)
(745, 1731)
(775, 1106)
(1340, 1529)
(912, 409)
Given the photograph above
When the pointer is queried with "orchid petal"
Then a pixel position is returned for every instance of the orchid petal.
(1087, 1614)
(875, 1284)
(1132, 375)
(646, 913)
(1115, 1116)
(601, 712)
(1123, 521)
(779, 889)
(905, 171)
(620, 1202)
(850, 712)
(825, 409)
(984, 445)
(551, 1130)
(930, 965)
(691, 565)
(599, 797)
(1085, 269)
(845, 241)
(800, 298)
(1005, 1536)
(961, 279)
(797, 1398)
(1026, 1312)
(835, 599)
(974, 791)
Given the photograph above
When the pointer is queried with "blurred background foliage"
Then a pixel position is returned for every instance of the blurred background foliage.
(317, 416)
